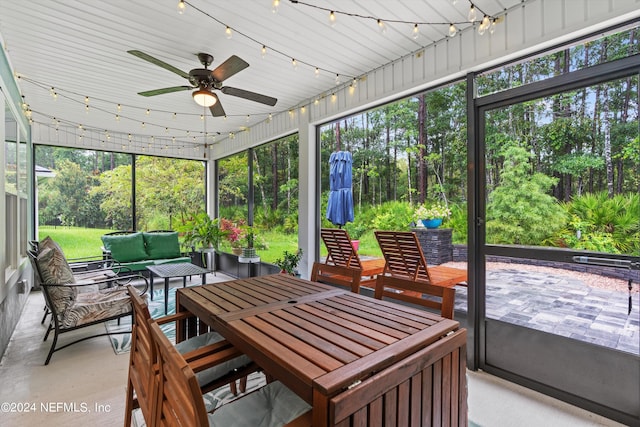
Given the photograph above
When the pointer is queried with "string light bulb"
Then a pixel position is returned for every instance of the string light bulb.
(416, 32)
(381, 26)
(484, 25)
(471, 16)
(317, 72)
(263, 51)
(492, 28)
(228, 33)
(275, 5)
(332, 18)
(452, 30)
(294, 63)
(181, 7)
(337, 79)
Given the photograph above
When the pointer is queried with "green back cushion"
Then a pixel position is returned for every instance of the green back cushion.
(125, 247)
(162, 245)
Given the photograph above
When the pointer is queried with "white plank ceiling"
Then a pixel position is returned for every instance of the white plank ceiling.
(78, 49)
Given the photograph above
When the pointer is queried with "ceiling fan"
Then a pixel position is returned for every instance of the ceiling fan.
(205, 81)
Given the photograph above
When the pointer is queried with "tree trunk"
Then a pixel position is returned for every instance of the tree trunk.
(422, 150)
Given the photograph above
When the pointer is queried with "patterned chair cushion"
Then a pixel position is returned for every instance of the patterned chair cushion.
(90, 306)
(55, 271)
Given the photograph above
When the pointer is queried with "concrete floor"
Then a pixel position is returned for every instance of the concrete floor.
(85, 385)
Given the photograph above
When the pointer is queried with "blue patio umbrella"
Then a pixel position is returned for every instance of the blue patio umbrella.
(340, 206)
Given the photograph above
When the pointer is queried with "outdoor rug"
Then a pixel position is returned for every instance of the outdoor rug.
(122, 342)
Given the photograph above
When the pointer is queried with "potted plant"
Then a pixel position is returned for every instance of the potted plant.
(289, 261)
(204, 233)
(432, 216)
(234, 235)
(355, 232)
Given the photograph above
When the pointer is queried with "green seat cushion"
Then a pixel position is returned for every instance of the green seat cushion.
(137, 265)
(162, 245)
(125, 247)
(172, 260)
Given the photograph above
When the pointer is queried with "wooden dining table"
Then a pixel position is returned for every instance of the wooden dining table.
(317, 339)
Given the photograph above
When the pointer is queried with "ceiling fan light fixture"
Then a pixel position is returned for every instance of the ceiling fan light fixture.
(204, 98)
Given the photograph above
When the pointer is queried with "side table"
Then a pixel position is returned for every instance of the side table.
(167, 271)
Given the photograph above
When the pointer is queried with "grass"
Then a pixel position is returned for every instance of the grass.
(76, 242)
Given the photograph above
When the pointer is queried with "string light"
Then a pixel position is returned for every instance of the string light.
(471, 16)
(181, 7)
(148, 112)
(332, 18)
(228, 33)
(294, 63)
(337, 79)
(382, 23)
(275, 5)
(263, 51)
(452, 30)
(317, 72)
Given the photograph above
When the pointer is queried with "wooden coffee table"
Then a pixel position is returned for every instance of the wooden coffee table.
(167, 271)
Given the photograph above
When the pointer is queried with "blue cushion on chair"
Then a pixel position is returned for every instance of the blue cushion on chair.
(272, 405)
(213, 373)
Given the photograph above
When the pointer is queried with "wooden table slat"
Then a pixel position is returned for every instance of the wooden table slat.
(373, 336)
(340, 335)
(324, 349)
(386, 318)
(365, 320)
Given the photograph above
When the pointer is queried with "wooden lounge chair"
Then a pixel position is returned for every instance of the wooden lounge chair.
(230, 363)
(178, 399)
(407, 277)
(341, 262)
(404, 258)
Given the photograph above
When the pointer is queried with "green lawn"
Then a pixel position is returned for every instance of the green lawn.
(76, 242)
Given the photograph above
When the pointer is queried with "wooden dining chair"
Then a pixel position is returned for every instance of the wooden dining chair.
(214, 360)
(341, 255)
(417, 292)
(179, 400)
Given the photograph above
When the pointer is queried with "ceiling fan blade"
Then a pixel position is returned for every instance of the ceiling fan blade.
(164, 90)
(159, 63)
(216, 109)
(229, 67)
(252, 96)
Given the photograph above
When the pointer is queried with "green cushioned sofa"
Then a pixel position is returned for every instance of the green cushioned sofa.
(137, 250)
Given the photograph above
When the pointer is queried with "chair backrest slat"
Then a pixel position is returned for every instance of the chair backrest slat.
(403, 255)
(340, 251)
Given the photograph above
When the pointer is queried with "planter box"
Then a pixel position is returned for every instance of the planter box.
(228, 264)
